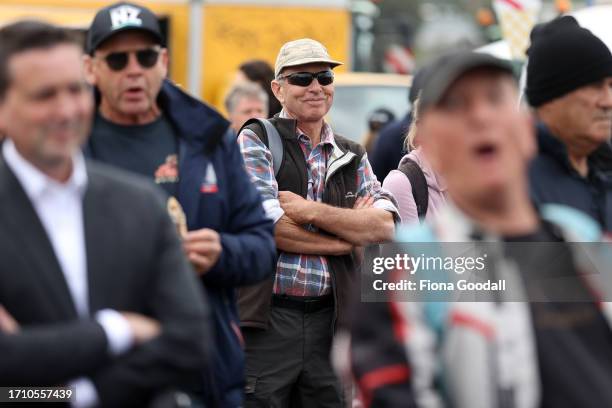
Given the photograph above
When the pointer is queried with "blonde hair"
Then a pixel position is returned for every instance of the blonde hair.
(412, 131)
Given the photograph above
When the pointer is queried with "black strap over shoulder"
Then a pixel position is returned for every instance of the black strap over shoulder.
(271, 138)
(418, 183)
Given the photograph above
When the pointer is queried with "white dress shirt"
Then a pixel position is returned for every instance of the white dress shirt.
(59, 207)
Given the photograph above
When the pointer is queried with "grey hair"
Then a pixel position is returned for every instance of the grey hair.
(244, 90)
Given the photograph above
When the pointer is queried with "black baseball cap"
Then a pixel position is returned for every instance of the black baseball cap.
(119, 17)
(442, 73)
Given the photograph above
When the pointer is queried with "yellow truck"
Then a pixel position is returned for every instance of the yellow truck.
(208, 39)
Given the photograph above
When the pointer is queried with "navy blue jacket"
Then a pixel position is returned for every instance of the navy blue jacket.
(389, 147)
(235, 211)
(554, 180)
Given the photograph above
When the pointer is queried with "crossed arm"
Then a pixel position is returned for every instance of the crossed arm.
(170, 346)
(292, 237)
(359, 226)
(344, 228)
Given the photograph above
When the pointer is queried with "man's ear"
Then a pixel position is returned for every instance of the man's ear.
(277, 91)
(4, 115)
(163, 55)
(88, 67)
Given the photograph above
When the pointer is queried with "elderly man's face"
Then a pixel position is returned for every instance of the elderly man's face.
(48, 106)
(305, 103)
(583, 117)
(131, 91)
(477, 138)
(245, 109)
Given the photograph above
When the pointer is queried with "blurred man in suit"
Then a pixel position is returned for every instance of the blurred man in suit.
(95, 290)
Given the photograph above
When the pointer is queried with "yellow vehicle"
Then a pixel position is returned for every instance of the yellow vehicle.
(209, 39)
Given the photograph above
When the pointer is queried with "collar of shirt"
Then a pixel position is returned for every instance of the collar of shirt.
(35, 182)
(327, 135)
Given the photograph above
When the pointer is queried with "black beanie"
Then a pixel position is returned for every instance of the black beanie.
(563, 57)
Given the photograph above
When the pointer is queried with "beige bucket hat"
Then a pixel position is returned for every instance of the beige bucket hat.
(300, 52)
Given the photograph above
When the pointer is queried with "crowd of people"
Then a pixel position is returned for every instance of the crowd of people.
(158, 254)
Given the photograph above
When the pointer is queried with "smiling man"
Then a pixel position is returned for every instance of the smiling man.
(94, 288)
(569, 84)
(325, 202)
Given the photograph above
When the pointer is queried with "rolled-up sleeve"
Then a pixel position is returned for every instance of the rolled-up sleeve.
(370, 186)
(258, 163)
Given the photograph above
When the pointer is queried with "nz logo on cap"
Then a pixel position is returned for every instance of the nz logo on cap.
(123, 16)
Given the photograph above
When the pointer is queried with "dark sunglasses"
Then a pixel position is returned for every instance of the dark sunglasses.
(147, 58)
(305, 78)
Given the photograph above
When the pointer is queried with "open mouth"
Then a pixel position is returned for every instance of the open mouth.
(134, 91)
(486, 151)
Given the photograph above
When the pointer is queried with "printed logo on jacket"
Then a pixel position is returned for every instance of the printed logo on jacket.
(209, 185)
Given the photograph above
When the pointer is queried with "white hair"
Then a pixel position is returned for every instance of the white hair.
(244, 90)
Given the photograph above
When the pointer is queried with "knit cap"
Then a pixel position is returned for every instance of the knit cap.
(563, 57)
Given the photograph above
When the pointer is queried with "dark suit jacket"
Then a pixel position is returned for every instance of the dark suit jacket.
(134, 263)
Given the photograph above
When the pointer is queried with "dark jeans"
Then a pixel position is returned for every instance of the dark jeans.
(288, 365)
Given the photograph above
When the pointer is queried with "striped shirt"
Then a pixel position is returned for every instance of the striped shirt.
(301, 274)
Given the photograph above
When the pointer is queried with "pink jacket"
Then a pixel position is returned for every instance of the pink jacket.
(398, 184)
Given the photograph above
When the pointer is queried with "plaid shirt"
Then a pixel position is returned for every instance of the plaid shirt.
(300, 274)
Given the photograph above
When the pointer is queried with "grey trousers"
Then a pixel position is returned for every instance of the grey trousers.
(288, 365)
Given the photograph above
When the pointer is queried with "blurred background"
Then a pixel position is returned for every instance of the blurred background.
(382, 42)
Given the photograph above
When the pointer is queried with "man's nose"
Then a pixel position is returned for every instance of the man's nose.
(481, 111)
(65, 106)
(315, 86)
(70, 106)
(133, 66)
(606, 100)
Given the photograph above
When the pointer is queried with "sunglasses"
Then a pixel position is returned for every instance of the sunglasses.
(305, 78)
(147, 58)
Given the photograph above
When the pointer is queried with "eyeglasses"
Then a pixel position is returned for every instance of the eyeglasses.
(305, 78)
(147, 58)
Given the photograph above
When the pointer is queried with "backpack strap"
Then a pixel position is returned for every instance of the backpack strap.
(271, 139)
(420, 193)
